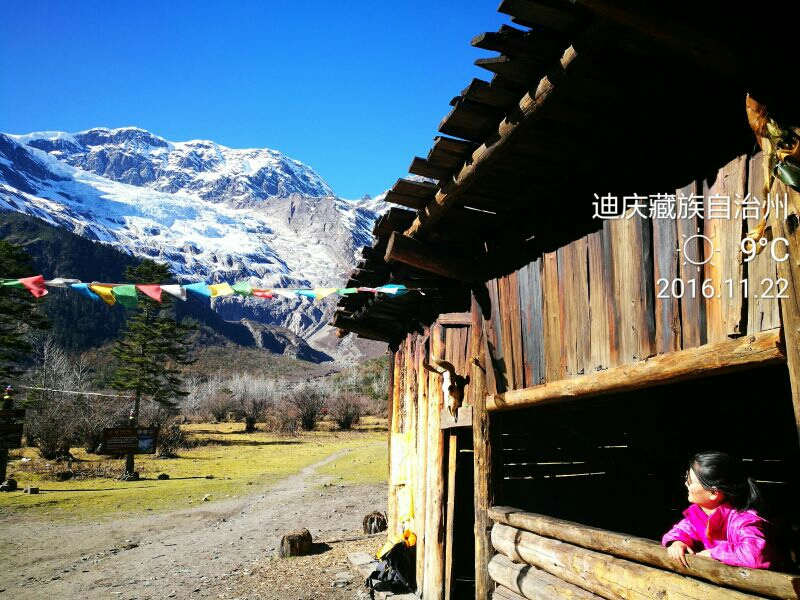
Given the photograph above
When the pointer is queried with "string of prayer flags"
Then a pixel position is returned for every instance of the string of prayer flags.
(127, 293)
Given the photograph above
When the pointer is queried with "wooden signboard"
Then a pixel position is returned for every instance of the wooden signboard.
(10, 435)
(130, 440)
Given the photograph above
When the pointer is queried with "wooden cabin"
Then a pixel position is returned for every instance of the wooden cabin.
(607, 337)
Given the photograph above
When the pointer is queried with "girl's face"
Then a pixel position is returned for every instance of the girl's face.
(699, 495)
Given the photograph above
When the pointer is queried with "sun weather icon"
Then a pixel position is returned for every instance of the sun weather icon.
(690, 248)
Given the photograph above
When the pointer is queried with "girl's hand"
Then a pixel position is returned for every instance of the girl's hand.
(677, 551)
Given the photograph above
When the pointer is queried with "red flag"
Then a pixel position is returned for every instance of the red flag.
(153, 291)
(35, 285)
(262, 293)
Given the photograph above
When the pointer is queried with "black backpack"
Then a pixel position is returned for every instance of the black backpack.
(396, 572)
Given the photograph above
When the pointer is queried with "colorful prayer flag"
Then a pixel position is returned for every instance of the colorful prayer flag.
(104, 291)
(220, 289)
(198, 288)
(125, 295)
(35, 285)
(244, 288)
(153, 291)
(175, 290)
(83, 288)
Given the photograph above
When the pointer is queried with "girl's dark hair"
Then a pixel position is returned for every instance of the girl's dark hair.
(720, 471)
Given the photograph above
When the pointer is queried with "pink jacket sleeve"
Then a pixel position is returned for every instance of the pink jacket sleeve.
(746, 545)
(681, 532)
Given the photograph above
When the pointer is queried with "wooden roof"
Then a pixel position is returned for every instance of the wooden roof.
(585, 97)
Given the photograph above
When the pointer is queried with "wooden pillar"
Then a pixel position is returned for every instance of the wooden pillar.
(433, 588)
(422, 459)
(786, 224)
(394, 401)
(484, 496)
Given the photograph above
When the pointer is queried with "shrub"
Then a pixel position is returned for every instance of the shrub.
(170, 438)
(284, 419)
(308, 399)
(346, 409)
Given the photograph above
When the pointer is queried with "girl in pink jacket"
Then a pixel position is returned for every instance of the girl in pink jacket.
(722, 522)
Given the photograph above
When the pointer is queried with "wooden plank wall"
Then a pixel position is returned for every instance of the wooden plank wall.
(417, 476)
(595, 303)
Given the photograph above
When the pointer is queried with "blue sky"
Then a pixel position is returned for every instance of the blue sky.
(353, 89)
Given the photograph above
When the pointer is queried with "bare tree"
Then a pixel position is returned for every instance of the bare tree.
(308, 399)
(346, 409)
(251, 396)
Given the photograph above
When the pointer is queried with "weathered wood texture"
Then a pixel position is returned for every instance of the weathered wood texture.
(526, 581)
(611, 577)
(720, 357)
(665, 275)
(483, 449)
(769, 583)
(785, 225)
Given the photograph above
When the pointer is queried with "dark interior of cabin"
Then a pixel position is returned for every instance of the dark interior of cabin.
(619, 462)
(463, 573)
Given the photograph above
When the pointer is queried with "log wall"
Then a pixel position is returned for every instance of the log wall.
(597, 302)
(421, 452)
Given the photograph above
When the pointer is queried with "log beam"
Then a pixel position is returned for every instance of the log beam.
(757, 350)
(769, 583)
(525, 581)
(406, 250)
(611, 577)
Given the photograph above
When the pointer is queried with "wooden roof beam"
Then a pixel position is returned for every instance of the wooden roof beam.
(576, 58)
(417, 254)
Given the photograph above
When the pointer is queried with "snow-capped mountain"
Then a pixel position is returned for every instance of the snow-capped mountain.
(212, 213)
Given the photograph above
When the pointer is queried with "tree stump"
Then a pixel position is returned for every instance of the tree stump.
(297, 543)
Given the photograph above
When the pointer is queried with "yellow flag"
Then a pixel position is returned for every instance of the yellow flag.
(321, 293)
(220, 289)
(104, 291)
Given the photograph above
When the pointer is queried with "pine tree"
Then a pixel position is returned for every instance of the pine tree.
(18, 315)
(18, 310)
(151, 350)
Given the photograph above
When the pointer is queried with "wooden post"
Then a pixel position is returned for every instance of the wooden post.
(451, 511)
(434, 518)
(391, 499)
(422, 460)
(788, 228)
(484, 496)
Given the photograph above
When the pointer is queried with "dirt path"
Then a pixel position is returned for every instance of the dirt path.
(221, 549)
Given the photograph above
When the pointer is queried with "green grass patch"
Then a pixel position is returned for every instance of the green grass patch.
(239, 463)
